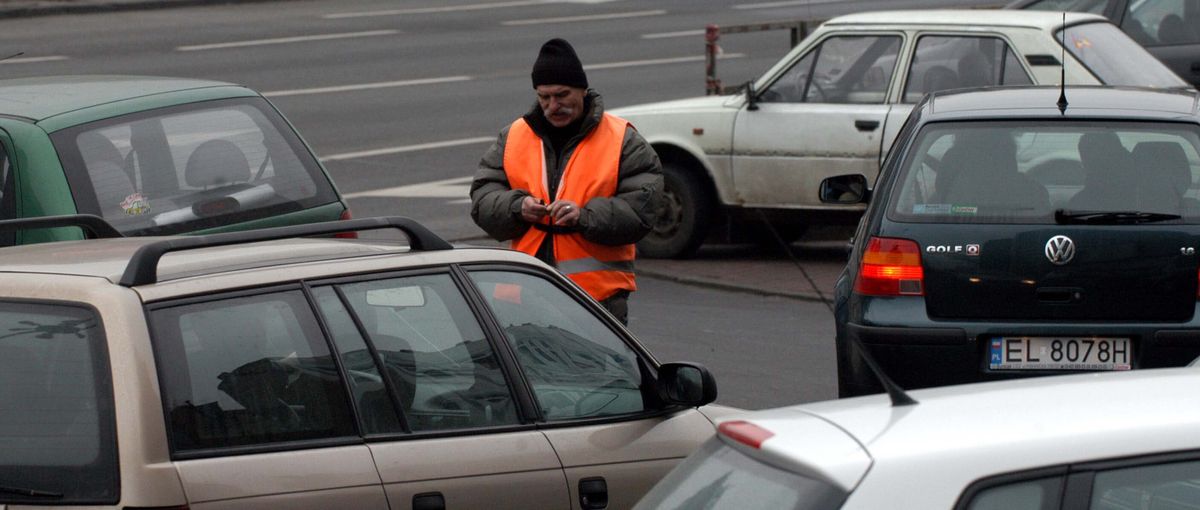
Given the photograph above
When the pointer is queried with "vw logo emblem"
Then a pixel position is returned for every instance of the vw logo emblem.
(1060, 250)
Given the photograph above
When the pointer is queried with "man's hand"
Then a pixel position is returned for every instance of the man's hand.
(532, 210)
(565, 213)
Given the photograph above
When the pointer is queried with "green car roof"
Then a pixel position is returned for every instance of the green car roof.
(41, 98)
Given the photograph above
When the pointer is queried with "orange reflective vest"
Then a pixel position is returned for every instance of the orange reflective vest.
(591, 172)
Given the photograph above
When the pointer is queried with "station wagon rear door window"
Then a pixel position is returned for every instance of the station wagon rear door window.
(247, 371)
(191, 167)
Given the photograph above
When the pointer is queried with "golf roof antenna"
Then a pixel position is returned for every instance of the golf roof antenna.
(1062, 85)
(17, 54)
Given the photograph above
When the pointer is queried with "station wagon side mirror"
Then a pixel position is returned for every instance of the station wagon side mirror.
(845, 189)
(684, 383)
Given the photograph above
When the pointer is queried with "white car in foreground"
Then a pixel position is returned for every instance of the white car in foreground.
(1126, 440)
(834, 103)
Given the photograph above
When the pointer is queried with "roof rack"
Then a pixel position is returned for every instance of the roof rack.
(143, 266)
(94, 227)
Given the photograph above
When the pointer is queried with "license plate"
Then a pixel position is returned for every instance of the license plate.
(1060, 353)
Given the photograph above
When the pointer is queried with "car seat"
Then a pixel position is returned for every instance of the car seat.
(1108, 176)
(216, 163)
(974, 71)
(1173, 30)
(1166, 177)
(106, 170)
(981, 171)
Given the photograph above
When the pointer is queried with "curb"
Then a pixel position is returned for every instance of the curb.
(10, 10)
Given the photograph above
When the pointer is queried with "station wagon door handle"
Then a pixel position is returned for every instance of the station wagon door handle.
(593, 493)
(429, 501)
(1196, 67)
(866, 125)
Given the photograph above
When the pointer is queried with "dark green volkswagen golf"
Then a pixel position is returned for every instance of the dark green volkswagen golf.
(1012, 233)
(153, 156)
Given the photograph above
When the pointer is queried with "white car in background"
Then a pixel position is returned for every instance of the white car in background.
(834, 103)
(1128, 440)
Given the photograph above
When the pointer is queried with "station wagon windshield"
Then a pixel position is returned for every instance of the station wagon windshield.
(1045, 172)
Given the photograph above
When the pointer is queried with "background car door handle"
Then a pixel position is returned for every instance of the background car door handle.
(1196, 67)
(866, 125)
(429, 501)
(593, 493)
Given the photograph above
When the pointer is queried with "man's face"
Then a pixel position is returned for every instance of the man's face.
(560, 104)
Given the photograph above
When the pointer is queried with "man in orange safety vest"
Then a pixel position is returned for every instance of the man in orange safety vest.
(570, 184)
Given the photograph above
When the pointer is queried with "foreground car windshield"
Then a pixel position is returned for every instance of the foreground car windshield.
(1116, 59)
(1051, 172)
(191, 167)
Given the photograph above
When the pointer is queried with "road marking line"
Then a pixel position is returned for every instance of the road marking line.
(365, 86)
(457, 187)
(788, 3)
(31, 60)
(408, 148)
(591, 17)
(665, 35)
(430, 10)
(658, 61)
(286, 40)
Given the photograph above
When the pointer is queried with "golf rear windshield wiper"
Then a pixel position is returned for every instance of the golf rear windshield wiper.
(32, 493)
(1065, 217)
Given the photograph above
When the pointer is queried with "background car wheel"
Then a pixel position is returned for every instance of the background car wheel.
(683, 217)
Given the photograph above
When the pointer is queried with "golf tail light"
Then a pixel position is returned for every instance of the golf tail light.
(346, 235)
(745, 432)
(891, 267)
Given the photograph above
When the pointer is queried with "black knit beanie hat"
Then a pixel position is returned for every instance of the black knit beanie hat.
(557, 64)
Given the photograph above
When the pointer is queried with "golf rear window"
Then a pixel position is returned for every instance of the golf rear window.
(191, 167)
(1025, 172)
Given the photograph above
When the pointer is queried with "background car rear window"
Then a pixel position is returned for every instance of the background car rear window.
(191, 167)
(1008, 172)
(1107, 52)
(249, 370)
(58, 435)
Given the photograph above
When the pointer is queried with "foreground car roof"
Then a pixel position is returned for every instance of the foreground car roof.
(203, 269)
(1045, 20)
(43, 97)
(1125, 102)
(957, 434)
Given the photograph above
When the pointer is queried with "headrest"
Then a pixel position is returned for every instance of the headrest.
(216, 163)
(1164, 160)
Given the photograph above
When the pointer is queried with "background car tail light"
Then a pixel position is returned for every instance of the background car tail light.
(346, 235)
(891, 267)
(745, 432)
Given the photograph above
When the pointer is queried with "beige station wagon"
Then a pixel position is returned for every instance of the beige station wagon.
(262, 369)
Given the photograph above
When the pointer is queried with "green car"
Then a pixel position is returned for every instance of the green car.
(153, 156)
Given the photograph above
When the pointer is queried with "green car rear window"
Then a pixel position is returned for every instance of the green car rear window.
(58, 436)
(1032, 172)
(191, 167)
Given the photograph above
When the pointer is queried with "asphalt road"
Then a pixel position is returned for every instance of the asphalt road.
(401, 97)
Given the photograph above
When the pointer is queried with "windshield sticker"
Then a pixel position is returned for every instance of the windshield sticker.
(135, 205)
(1081, 42)
(946, 209)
